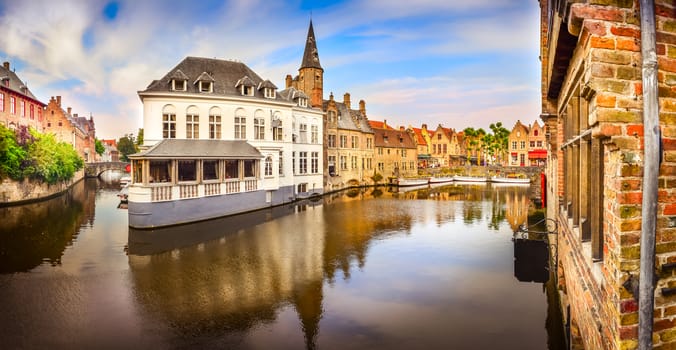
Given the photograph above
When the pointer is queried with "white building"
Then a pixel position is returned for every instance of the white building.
(220, 139)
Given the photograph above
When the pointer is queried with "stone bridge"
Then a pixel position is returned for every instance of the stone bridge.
(95, 169)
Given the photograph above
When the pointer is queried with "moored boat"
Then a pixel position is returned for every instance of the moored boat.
(411, 182)
(440, 179)
(469, 178)
(510, 180)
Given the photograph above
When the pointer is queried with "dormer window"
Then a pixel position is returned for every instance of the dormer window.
(179, 81)
(245, 86)
(205, 82)
(206, 86)
(302, 101)
(178, 85)
(269, 89)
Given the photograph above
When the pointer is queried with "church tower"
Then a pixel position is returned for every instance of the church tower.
(311, 73)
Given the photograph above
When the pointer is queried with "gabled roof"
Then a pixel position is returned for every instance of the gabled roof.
(266, 84)
(292, 94)
(246, 81)
(420, 139)
(204, 77)
(200, 149)
(311, 56)
(376, 124)
(225, 74)
(15, 84)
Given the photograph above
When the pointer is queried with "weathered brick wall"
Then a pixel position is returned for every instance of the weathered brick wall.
(608, 60)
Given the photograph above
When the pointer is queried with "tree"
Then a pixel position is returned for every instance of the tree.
(139, 137)
(99, 147)
(470, 142)
(12, 155)
(501, 140)
(126, 145)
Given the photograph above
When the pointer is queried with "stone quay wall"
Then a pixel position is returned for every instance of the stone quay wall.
(26, 191)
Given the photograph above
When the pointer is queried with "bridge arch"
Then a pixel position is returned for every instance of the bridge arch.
(96, 169)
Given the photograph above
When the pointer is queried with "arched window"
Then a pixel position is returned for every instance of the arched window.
(240, 124)
(169, 122)
(192, 123)
(277, 131)
(215, 123)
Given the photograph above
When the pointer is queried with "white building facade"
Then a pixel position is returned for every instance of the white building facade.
(221, 108)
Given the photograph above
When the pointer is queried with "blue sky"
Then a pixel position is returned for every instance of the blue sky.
(457, 63)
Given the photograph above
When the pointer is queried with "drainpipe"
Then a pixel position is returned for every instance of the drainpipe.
(651, 127)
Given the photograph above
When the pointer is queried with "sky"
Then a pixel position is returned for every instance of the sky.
(457, 63)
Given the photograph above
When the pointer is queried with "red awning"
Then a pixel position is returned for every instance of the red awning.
(514, 154)
(537, 154)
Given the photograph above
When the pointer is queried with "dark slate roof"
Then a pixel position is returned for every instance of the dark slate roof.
(178, 75)
(204, 77)
(225, 74)
(246, 81)
(266, 84)
(292, 94)
(311, 55)
(350, 119)
(15, 84)
(200, 149)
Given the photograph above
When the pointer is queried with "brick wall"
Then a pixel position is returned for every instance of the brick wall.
(604, 69)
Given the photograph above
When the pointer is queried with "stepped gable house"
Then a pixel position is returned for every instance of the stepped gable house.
(80, 132)
(18, 105)
(592, 106)
(348, 138)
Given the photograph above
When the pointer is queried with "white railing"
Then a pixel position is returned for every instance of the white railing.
(250, 185)
(188, 191)
(232, 186)
(212, 189)
(160, 193)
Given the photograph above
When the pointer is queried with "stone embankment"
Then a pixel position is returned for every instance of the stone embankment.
(26, 191)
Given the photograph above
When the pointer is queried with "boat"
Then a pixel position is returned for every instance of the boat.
(440, 179)
(510, 180)
(411, 182)
(459, 178)
(125, 180)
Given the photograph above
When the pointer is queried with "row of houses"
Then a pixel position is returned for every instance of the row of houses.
(19, 108)
(309, 143)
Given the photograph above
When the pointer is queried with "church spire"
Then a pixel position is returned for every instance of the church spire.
(311, 56)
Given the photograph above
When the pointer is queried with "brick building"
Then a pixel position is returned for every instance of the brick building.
(396, 152)
(80, 132)
(592, 106)
(18, 105)
(518, 145)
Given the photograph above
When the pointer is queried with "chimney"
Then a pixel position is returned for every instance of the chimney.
(6, 65)
(288, 81)
(346, 100)
(68, 110)
(362, 107)
(58, 101)
(384, 123)
(402, 128)
(74, 115)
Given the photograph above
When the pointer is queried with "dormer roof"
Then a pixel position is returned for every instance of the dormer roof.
(204, 77)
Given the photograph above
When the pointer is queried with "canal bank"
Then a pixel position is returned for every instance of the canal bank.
(28, 190)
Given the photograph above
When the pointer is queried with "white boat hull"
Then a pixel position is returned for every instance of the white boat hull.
(469, 179)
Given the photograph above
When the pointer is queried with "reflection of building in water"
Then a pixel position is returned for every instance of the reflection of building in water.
(244, 275)
(33, 233)
(516, 203)
(239, 280)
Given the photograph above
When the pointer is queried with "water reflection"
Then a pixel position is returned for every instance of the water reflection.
(235, 280)
(34, 233)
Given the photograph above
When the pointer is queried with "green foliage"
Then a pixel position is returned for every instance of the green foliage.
(139, 137)
(99, 147)
(39, 156)
(376, 177)
(12, 155)
(126, 145)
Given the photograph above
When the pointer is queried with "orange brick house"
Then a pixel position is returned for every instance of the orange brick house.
(80, 132)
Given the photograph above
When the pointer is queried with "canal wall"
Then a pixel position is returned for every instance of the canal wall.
(26, 191)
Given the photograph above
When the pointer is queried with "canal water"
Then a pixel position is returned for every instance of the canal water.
(432, 268)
